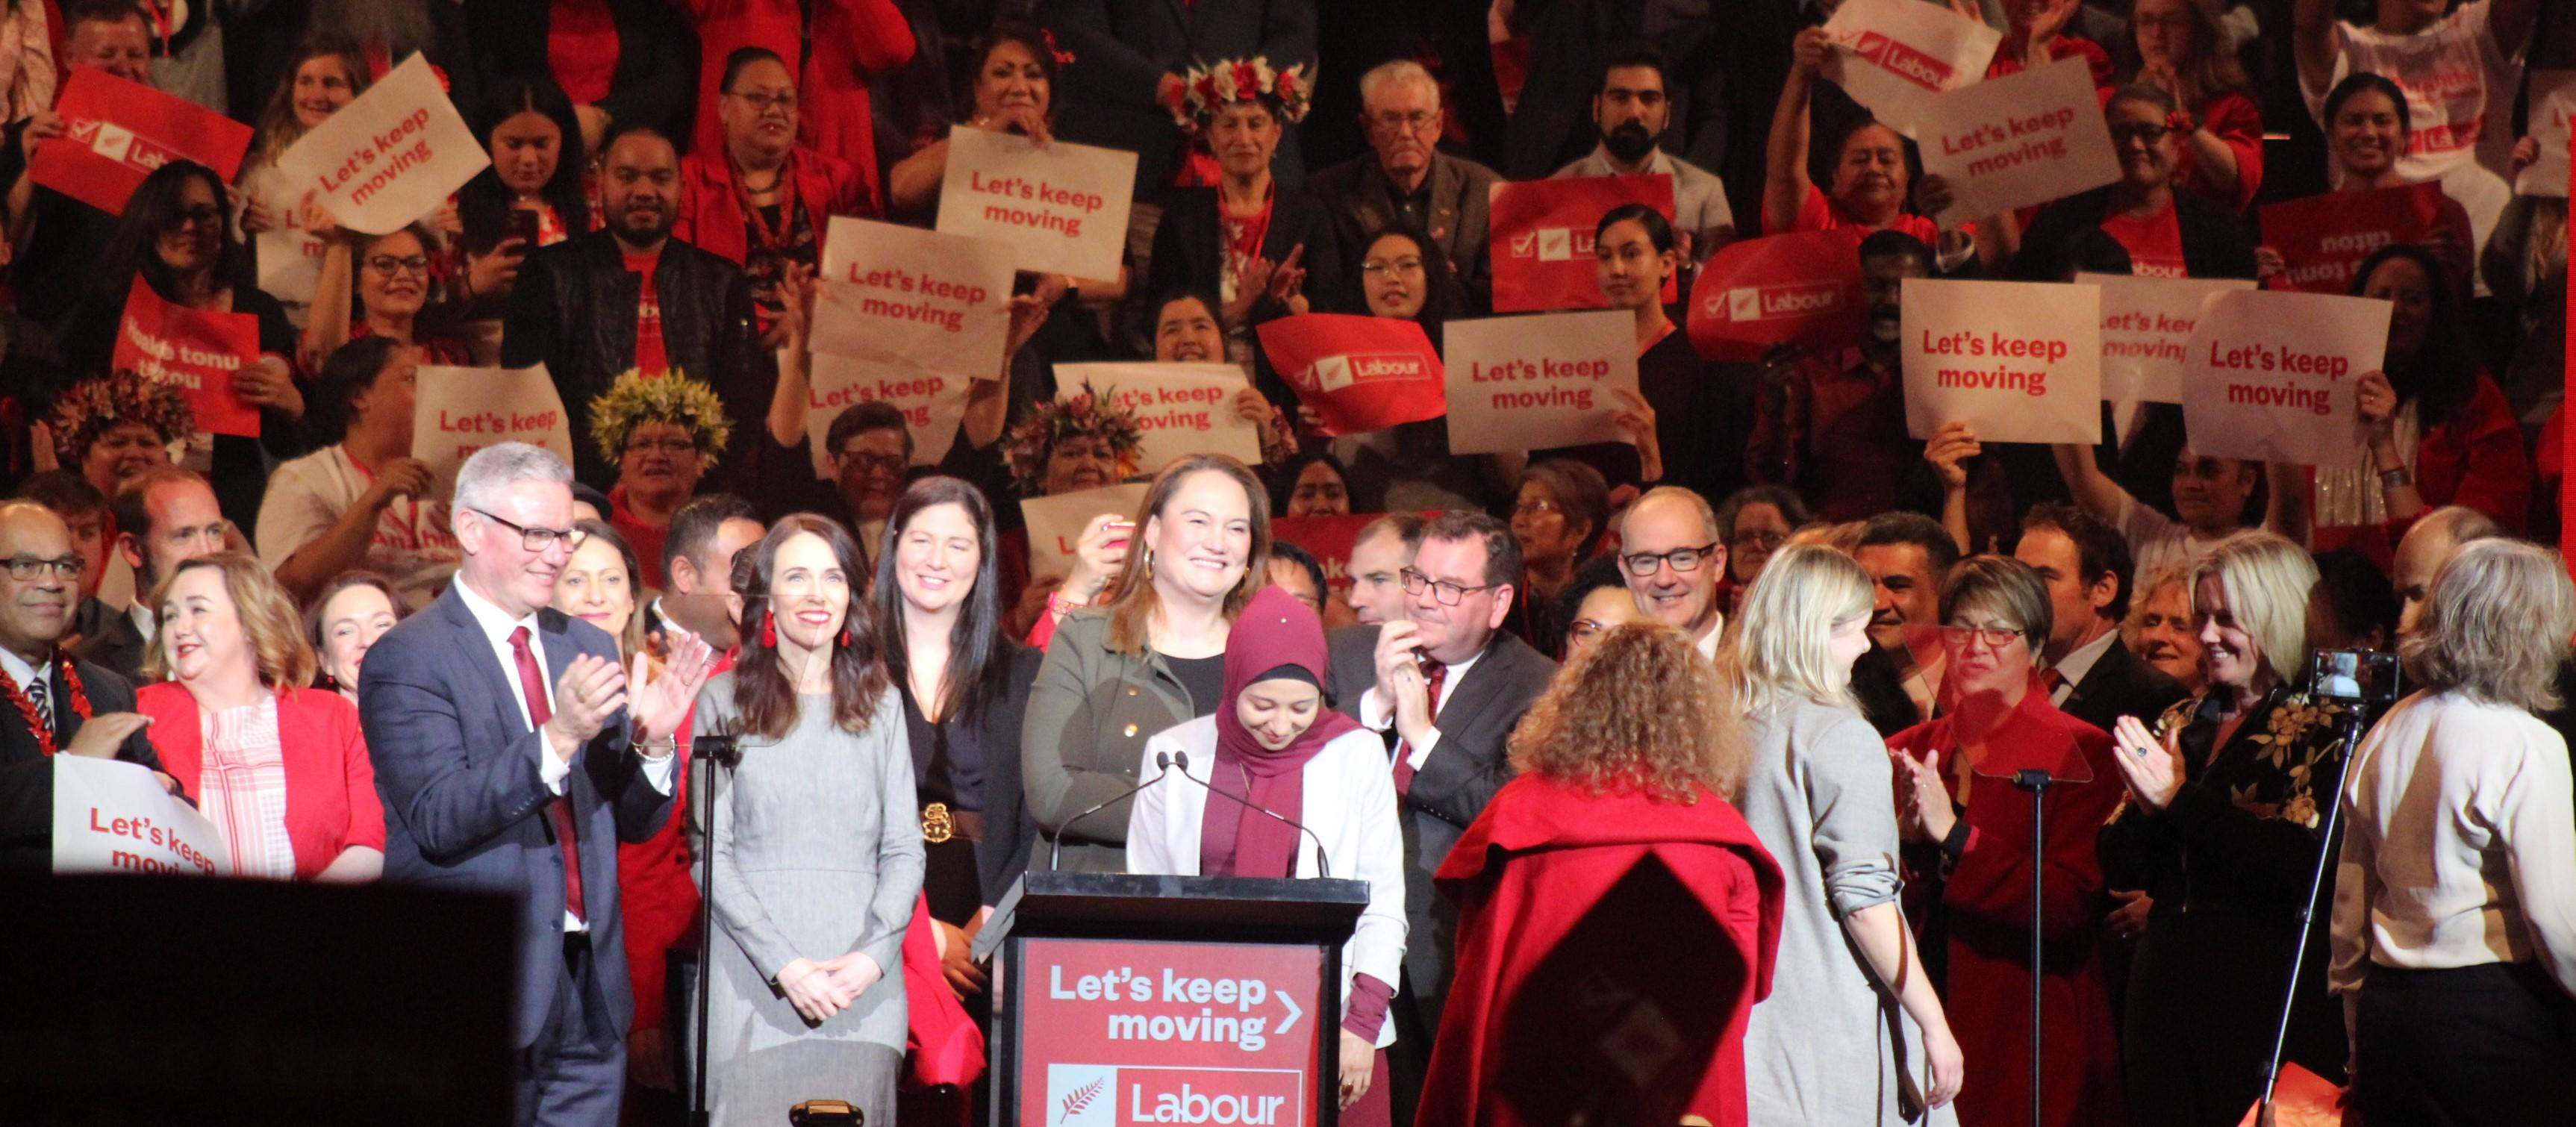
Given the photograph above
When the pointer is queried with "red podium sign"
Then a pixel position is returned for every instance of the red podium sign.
(1121, 1032)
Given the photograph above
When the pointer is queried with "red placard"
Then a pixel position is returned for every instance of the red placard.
(1542, 238)
(1360, 373)
(116, 132)
(1328, 539)
(1798, 288)
(1115, 1032)
(2322, 239)
(195, 350)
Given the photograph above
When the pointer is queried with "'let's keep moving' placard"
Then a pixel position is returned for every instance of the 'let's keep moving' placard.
(1062, 206)
(1539, 382)
(388, 158)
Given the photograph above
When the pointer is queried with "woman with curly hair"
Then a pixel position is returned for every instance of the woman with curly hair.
(1612, 860)
(109, 428)
(663, 434)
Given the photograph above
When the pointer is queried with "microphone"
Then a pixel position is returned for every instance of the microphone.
(1181, 759)
(1056, 853)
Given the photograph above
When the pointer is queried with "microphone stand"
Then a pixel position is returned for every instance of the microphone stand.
(2037, 782)
(1055, 853)
(718, 752)
(1181, 759)
(2308, 909)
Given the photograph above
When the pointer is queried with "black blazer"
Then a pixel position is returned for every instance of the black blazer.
(1122, 49)
(27, 776)
(1009, 830)
(1189, 252)
(118, 645)
(2121, 685)
(656, 82)
(465, 810)
(2214, 242)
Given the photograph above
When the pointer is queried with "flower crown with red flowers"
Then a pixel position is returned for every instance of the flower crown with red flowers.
(1205, 90)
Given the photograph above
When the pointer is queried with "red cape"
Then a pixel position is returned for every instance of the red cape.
(1590, 982)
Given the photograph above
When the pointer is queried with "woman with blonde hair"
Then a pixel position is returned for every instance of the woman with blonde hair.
(1826, 1047)
(2221, 830)
(1612, 860)
(2455, 906)
(279, 768)
(1150, 659)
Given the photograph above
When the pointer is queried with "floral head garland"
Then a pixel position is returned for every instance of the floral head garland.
(674, 398)
(1205, 90)
(84, 411)
(1033, 442)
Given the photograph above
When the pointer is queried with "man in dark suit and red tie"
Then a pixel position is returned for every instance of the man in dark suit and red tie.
(513, 754)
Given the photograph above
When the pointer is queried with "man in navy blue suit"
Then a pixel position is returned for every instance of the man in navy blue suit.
(513, 754)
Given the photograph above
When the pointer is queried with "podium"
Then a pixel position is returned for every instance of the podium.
(1122, 998)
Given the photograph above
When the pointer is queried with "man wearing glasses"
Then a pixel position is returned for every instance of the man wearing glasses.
(1451, 684)
(1672, 556)
(58, 704)
(1407, 180)
(514, 753)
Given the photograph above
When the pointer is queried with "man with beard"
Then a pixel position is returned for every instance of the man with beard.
(1631, 112)
(632, 297)
(1831, 423)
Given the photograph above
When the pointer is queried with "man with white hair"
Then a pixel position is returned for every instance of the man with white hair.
(513, 754)
(1407, 180)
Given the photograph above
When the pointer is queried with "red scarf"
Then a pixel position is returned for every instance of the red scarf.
(27, 707)
(765, 237)
(1276, 631)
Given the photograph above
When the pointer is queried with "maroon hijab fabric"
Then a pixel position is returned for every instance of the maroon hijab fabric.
(1234, 839)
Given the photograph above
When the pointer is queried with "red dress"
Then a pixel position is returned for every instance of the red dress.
(657, 892)
(1610, 950)
(1984, 901)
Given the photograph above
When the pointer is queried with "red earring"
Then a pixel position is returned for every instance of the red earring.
(845, 634)
(769, 629)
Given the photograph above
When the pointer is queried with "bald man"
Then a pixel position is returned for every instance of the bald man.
(80, 708)
(2435, 538)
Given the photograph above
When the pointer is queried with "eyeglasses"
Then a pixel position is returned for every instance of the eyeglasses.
(669, 445)
(1397, 266)
(1415, 122)
(1643, 564)
(1535, 507)
(202, 215)
(28, 569)
(2148, 132)
(878, 463)
(1995, 637)
(1584, 629)
(539, 539)
(1444, 592)
(761, 102)
(388, 264)
(1760, 538)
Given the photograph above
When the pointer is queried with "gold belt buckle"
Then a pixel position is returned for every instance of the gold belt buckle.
(936, 826)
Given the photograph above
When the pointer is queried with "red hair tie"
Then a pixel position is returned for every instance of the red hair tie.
(2179, 121)
(1062, 56)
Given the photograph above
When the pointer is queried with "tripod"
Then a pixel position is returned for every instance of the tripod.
(2308, 909)
(2036, 781)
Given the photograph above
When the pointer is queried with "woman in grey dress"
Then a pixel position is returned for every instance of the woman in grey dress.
(817, 854)
(1852, 1032)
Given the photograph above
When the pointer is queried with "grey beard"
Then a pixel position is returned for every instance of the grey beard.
(399, 26)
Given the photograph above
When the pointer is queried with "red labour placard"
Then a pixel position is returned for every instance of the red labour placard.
(197, 351)
(2322, 239)
(1542, 238)
(116, 132)
(1798, 288)
(1360, 373)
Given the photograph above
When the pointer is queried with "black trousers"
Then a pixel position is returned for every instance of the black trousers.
(2492, 1044)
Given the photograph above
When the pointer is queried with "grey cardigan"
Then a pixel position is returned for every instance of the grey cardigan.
(1088, 718)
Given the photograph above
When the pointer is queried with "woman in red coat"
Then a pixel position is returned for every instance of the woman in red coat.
(757, 197)
(1973, 865)
(1609, 892)
(852, 42)
(280, 769)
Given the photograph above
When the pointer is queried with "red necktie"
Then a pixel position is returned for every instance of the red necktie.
(1439, 674)
(533, 683)
(2051, 680)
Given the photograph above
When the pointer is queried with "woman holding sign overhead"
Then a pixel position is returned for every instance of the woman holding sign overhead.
(2179, 47)
(391, 277)
(1871, 171)
(326, 73)
(2168, 234)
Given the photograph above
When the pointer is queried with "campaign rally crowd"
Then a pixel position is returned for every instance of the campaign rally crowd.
(1738, 692)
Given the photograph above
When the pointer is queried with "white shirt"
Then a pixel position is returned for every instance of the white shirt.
(145, 621)
(305, 497)
(1380, 715)
(1699, 197)
(2157, 543)
(2080, 661)
(551, 768)
(24, 675)
(2459, 844)
(1707, 643)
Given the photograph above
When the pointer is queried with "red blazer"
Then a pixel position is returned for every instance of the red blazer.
(853, 41)
(1573, 910)
(711, 216)
(657, 889)
(331, 801)
(1986, 898)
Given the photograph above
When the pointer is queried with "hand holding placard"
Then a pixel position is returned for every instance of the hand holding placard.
(902, 295)
(1358, 374)
(1056, 523)
(2016, 361)
(389, 157)
(1063, 207)
(932, 403)
(1182, 409)
(2146, 332)
(2019, 140)
(1539, 382)
(1895, 55)
(2272, 375)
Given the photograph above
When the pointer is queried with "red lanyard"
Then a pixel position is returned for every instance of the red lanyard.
(772, 240)
(27, 708)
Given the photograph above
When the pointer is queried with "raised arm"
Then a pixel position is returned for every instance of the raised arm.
(2093, 490)
(1785, 183)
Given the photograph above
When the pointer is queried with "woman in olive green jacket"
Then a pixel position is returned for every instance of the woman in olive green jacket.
(1152, 658)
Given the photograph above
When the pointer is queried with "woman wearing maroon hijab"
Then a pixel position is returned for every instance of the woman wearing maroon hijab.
(1276, 742)
(1617, 918)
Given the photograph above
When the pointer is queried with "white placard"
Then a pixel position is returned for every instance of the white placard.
(2019, 140)
(905, 295)
(1183, 409)
(2272, 373)
(457, 411)
(1894, 56)
(2146, 332)
(113, 817)
(2553, 104)
(1061, 206)
(1055, 523)
(388, 158)
(2018, 361)
(933, 403)
(1538, 382)
(290, 258)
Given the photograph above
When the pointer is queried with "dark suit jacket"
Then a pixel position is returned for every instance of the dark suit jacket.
(2121, 685)
(456, 764)
(1189, 252)
(1360, 200)
(27, 775)
(118, 645)
(1456, 780)
(1122, 49)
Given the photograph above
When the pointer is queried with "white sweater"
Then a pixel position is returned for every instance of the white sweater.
(1349, 803)
(2459, 844)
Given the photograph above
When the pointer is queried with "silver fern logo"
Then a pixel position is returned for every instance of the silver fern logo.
(1080, 1095)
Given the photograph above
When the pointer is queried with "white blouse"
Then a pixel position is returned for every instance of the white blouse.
(2459, 843)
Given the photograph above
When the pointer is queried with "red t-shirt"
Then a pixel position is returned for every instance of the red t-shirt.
(1820, 214)
(581, 49)
(650, 358)
(2154, 243)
